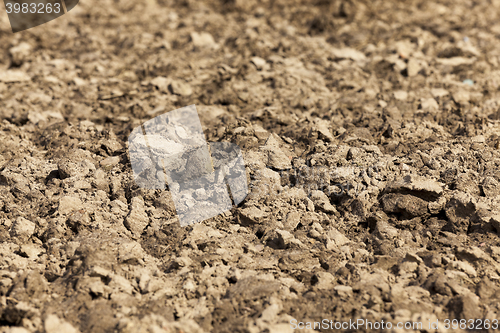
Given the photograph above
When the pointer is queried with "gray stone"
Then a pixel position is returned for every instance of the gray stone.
(200, 194)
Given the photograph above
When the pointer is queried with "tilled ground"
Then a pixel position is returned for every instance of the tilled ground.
(370, 134)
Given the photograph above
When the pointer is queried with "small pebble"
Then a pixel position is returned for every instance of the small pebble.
(468, 82)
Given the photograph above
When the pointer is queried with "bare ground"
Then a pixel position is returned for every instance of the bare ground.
(370, 132)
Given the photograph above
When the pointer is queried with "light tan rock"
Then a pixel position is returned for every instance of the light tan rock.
(22, 228)
(202, 39)
(137, 220)
(53, 324)
(68, 204)
(180, 88)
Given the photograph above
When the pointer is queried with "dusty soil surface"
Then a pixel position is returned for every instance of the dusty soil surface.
(370, 134)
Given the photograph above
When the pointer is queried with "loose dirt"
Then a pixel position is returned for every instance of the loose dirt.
(371, 140)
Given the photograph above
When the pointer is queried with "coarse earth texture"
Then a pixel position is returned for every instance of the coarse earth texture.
(371, 136)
